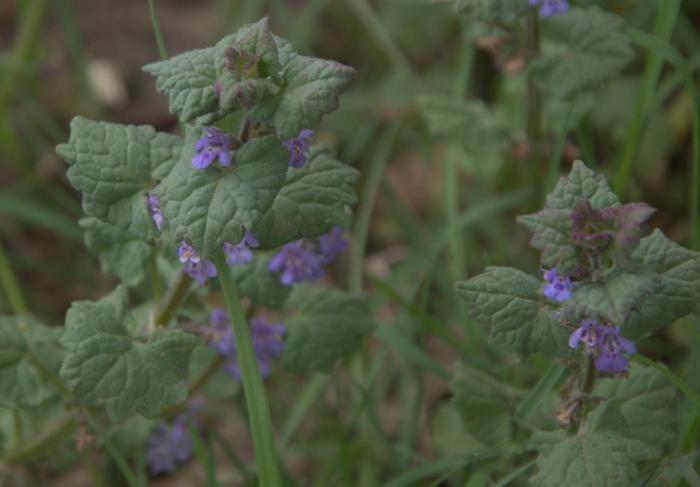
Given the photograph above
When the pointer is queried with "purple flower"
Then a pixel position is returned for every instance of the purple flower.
(604, 342)
(267, 341)
(240, 253)
(153, 203)
(215, 144)
(551, 7)
(589, 333)
(198, 269)
(299, 147)
(611, 347)
(559, 287)
(169, 446)
(296, 264)
(332, 244)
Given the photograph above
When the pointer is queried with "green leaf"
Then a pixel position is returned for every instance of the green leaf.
(120, 252)
(256, 282)
(114, 166)
(330, 325)
(594, 459)
(581, 183)
(551, 227)
(612, 300)
(310, 89)
(215, 205)
(27, 350)
(511, 305)
(313, 200)
(493, 10)
(106, 366)
(256, 70)
(589, 48)
(678, 293)
(485, 404)
(632, 425)
(241, 65)
(642, 408)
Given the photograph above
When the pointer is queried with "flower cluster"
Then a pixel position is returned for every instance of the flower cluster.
(197, 268)
(267, 341)
(558, 287)
(604, 342)
(153, 203)
(551, 7)
(299, 147)
(216, 144)
(169, 446)
(303, 260)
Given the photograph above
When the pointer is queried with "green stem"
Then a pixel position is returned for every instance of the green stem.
(370, 20)
(301, 407)
(364, 213)
(11, 286)
(256, 399)
(588, 376)
(39, 443)
(172, 299)
(156, 283)
(156, 31)
(666, 16)
(534, 104)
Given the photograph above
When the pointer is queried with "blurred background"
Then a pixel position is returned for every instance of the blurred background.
(436, 123)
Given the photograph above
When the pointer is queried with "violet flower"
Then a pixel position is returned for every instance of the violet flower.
(153, 203)
(299, 147)
(169, 446)
(551, 7)
(559, 287)
(605, 343)
(240, 253)
(216, 144)
(295, 264)
(332, 244)
(197, 268)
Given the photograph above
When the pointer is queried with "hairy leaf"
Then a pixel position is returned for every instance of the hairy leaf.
(678, 293)
(551, 230)
(256, 70)
(632, 425)
(114, 166)
(310, 89)
(29, 351)
(590, 48)
(581, 183)
(330, 325)
(106, 366)
(204, 85)
(510, 303)
(120, 252)
(612, 300)
(215, 205)
(313, 200)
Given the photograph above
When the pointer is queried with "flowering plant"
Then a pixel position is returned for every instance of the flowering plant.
(251, 214)
(606, 282)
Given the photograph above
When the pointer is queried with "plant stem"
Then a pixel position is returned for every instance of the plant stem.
(156, 31)
(172, 299)
(364, 213)
(256, 399)
(9, 283)
(40, 442)
(156, 283)
(534, 103)
(666, 16)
